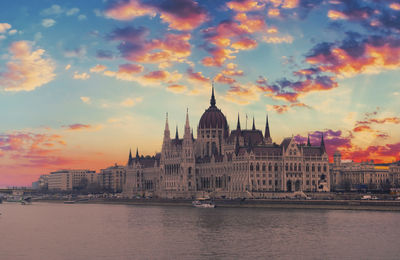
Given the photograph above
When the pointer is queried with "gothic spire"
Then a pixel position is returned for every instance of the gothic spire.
(176, 133)
(238, 124)
(130, 157)
(187, 119)
(254, 125)
(308, 140)
(137, 154)
(267, 134)
(322, 142)
(166, 129)
(212, 100)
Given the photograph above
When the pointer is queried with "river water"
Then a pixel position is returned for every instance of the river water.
(95, 231)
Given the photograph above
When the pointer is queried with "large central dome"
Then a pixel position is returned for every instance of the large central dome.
(213, 117)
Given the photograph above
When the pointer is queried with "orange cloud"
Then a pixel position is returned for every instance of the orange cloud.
(98, 68)
(223, 79)
(219, 55)
(337, 15)
(231, 70)
(129, 10)
(395, 6)
(243, 94)
(244, 44)
(280, 109)
(373, 60)
(157, 75)
(77, 127)
(130, 68)
(82, 76)
(273, 12)
(245, 6)
(27, 69)
(176, 88)
(180, 14)
(197, 76)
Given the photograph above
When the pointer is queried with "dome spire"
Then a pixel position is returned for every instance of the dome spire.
(238, 124)
(254, 125)
(212, 101)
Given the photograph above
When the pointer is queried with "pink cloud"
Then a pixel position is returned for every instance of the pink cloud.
(27, 69)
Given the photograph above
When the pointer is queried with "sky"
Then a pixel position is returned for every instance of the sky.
(82, 82)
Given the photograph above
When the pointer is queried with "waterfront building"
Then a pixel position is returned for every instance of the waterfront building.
(224, 163)
(68, 179)
(349, 175)
(112, 178)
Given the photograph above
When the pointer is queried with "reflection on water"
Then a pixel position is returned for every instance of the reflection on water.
(79, 231)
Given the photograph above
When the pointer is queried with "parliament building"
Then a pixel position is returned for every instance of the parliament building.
(224, 163)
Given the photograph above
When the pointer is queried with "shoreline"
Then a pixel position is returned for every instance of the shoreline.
(271, 204)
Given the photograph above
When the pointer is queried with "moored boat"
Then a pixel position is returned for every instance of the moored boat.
(203, 203)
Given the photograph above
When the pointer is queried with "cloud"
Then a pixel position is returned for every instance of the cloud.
(98, 68)
(78, 52)
(395, 6)
(104, 54)
(77, 127)
(4, 27)
(48, 22)
(223, 79)
(278, 39)
(27, 69)
(130, 102)
(355, 56)
(244, 43)
(175, 88)
(243, 94)
(82, 17)
(86, 100)
(82, 76)
(53, 10)
(164, 51)
(245, 5)
(280, 109)
(67, 67)
(197, 77)
(179, 14)
(72, 11)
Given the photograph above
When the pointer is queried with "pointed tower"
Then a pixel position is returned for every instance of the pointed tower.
(308, 140)
(238, 124)
(137, 155)
(254, 125)
(237, 145)
(267, 135)
(176, 134)
(212, 100)
(166, 130)
(130, 160)
(166, 141)
(323, 143)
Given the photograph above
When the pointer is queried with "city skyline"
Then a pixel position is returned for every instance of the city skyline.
(82, 83)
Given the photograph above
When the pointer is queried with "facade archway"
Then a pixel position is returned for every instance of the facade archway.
(297, 185)
(289, 186)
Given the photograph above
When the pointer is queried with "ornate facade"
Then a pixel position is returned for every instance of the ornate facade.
(223, 163)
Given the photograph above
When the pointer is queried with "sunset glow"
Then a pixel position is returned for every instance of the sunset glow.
(82, 82)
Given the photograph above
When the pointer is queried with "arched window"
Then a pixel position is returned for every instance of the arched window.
(269, 167)
(214, 149)
(263, 167)
(207, 148)
(276, 167)
(286, 167)
(257, 167)
(295, 167)
(190, 170)
(299, 166)
(324, 167)
(290, 152)
(291, 166)
(319, 167)
(294, 152)
(251, 167)
(313, 168)
(307, 168)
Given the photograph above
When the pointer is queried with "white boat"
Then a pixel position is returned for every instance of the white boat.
(203, 203)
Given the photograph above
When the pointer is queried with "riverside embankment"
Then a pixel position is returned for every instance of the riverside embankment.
(377, 205)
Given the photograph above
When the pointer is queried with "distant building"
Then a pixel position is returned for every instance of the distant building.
(70, 179)
(349, 175)
(237, 163)
(35, 185)
(112, 178)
